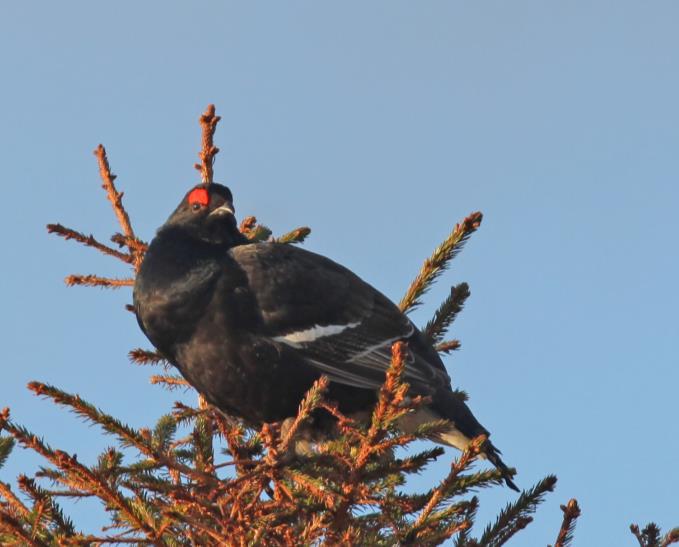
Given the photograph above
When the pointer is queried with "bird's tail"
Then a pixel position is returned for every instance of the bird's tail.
(453, 436)
(493, 455)
(465, 427)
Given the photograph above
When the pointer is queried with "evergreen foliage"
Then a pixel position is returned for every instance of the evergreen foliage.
(171, 484)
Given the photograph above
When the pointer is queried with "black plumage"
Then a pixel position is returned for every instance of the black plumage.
(252, 325)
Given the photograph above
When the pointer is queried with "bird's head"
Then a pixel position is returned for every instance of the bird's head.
(207, 212)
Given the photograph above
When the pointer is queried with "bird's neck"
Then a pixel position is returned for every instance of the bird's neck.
(216, 234)
(174, 285)
(174, 253)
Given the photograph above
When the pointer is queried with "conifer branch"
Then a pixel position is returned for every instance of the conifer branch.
(170, 381)
(53, 511)
(89, 540)
(448, 346)
(446, 313)
(463, 539)
(388, 409)
(116, 199)
(650, 536)
(247, 224)
(253, 231)
(298, 235)
(208, 124)
(316, 502)
(259, 233)
(141, 356)
(88, 241)
(459, 465)
(409, 464)
(392, 395)
(127, 435)
(96, 281)
(311, 402)
(515, 515)
(133, 243)
(437, 263)
(81, 478)
(6, 446)
(15, 505)
(14, 527)
(571, 512)
(202, 439)
(480, 479)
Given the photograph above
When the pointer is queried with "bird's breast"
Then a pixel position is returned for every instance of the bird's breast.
(169, 307)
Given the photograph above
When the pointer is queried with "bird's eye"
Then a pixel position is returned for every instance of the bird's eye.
(198, 198)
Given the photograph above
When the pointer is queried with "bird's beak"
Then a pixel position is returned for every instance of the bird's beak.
(226, 209)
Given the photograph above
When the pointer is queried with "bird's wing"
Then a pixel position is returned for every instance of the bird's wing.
(331, 317)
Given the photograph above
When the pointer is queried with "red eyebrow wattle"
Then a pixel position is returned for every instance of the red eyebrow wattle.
(200, 196)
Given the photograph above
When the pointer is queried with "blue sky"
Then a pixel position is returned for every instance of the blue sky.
(379, 125)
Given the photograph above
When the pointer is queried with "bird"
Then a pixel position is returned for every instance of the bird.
(252, 325)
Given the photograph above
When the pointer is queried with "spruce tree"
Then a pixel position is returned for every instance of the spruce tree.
(170, 484)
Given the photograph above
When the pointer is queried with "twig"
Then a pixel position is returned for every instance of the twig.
(13, 526)
(438, 261)
(113, 540)
(202, 438)
(571, 512)
(311, 401)
(634, 528)
(83, 477)
(258, 233)
(15, 503)
(248, 224)
(145, 357)
(298, 235)
(446, 313)
(96, 281)
(89, 241)
(131, 242)
(116, 199)
(171, 382)
(44, 499)
(125, 433)
(467, 457)
(391, 396)
(514, 516)
(208, 123)
(650, 536)
(448, 346)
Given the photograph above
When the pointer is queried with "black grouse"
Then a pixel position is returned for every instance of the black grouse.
(252, 325)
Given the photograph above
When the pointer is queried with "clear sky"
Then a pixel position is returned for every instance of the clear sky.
(378, 124)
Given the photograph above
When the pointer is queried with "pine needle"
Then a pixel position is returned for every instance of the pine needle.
(446, 313)
(571, 512)
(96, 281)
(141, 356)
(89, 241)
(6, 445)
(437, 263)
(515, 516)
(448, 346)
(297, 235)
